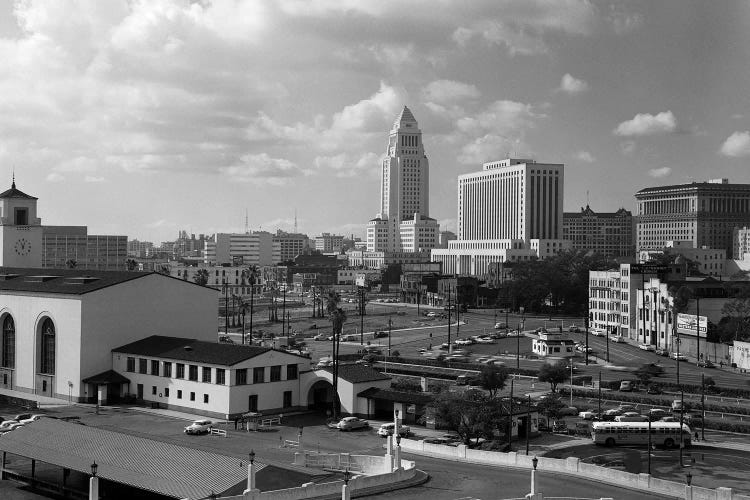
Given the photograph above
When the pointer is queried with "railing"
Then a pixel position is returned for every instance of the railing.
(218, 432)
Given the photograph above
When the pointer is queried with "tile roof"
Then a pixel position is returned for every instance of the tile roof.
(357, 374)
(64, 281)
(16, 193)
(198, 351)
(108, 377)
(167, 469)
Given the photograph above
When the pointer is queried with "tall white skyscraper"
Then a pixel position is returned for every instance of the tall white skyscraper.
(403, 223)
(510, 210)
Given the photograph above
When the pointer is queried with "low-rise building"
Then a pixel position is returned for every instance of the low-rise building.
(552, 344)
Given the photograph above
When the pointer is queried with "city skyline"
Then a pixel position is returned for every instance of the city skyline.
(181, 115)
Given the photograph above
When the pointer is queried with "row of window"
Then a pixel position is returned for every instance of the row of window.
(164, 369)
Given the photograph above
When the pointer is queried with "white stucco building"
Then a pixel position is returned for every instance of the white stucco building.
(251, 248)
(59, 324)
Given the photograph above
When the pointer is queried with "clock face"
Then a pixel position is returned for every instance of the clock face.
(23, 247)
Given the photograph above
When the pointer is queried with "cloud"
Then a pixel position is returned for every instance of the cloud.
(623, 22)
(55, 177)
(737, 145)
(660, 172)
(585, 156)
(262, 169)
(571, 85)
(445, 91)
(647, 124)
(94, 179)
(627, 147)
(345, 165)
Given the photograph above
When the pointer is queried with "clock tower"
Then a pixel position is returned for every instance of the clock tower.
(20, 230)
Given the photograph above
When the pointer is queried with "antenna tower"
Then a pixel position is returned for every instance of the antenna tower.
(295, 220)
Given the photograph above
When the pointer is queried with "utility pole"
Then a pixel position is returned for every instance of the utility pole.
(682, 420)
(283, 313)
(252, 295)
(528, 422)
(586, 325)
(458, 312)
(510, 417)
(361, 316)
(698, 325)
(649, 445)
(450, 347)
(703, 406)
(571, 381)
(226, 307)
(600, 393)
(390, 325)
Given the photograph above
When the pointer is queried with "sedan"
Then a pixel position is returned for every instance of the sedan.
(31, 418)
(679, 357)
(705, 363)
(618, 340)
(388, 428)
(199, 427)
(352, 423)
(500, 325)
(647, 347)
(464, 341)
(588, 415)
(7, 424)
(485, 340)
(661, 352)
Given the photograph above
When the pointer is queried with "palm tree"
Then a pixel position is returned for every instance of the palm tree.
(338, 317)
(201, 277)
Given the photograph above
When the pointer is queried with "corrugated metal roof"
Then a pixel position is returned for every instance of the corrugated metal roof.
(198, 351)
(167, 469)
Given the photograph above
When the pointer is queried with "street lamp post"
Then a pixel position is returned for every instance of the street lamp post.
(242, 314)
(450, 347)
(225, 289)
(649, 445)
(390, 325)
(528, 423)
(703, 406)
(682, 420)
(283, 312)
(510, 418)
(94, 483)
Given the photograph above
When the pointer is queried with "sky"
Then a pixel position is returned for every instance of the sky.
(147, 117)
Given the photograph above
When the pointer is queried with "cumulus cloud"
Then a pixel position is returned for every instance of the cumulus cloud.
(660, 172)
(585, 156)
(262, 169)
(345, 165)
(54, 177)
(647, 124)
(93, 179)
(571, 85)
(623, 22)
(736, 145)
(445, 91)
(627, 147)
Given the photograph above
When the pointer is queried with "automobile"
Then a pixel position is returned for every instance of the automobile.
(631, 418)
(350, 338)
(352, 423)
(370, 349)
(514, 333)
(321, 336)
(619, 339)
(568, 411)
(657, 413)
(225, 340)
(541, 329)
(323, 362)
(387, 429)
(613, 412)
(575, 329)
(22, 416)
(485, 340)
(559, 426)
(626, 386)
(381, 334)
(654, 389)
(10, 427)
(653, 369)
(631, 414)
(678, 357)
(705, 363)
(445, 346)
(422, 350)
(677, 405)
(464, 341)
(31, 418)
(431, 314)
(497, 335)
(588, 415)
(483, 359)
(457, 358)
(597, 332)
(583, 348)
(4, 426)
(199, 427)
(498, 326)
(669, 419)
(647, 347)
(494, 362)
(626, 408)
(661, 352)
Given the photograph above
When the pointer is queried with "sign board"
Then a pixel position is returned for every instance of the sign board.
(686, 324)
(648, 269)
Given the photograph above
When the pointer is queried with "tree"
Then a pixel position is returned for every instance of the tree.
(738, 311)
(551, 406)
(468, 414)
(554, 374)
(71, 263)
(131, 264)
(337, 316)
(493, 378)
(201, 277)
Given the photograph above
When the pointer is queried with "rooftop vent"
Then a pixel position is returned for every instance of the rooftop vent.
(6, 277)
(39, 279)
(80, 280)
(188, 348)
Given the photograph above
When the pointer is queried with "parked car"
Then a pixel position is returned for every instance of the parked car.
(705, 363)
(647, 347)
(661, 352)
(464, 341)
(379, 335)
(679, 357)
(575, 329)
(22, 416)
(321, 336)
(588, 415)
(654, 389)
(677, 405)
(388, 428)
(597, 332)
(626, 408)
(619, 339)
(225, 340)
(626, 386)
(199, 427)
(500, 325)
(631, 418)
(5, 425)
(568, 410)
(352, 423)
(657, 413)
(485, 340)
(31, 418)
(559, 426)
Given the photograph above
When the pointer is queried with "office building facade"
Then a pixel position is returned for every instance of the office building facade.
(609, 233)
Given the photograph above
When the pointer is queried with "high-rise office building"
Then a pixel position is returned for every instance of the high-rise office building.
(64, 245)
(287, 246)
(607, 233)
(403, 223)
(328, 242)
(510, 210)
(254, 248)
(703, 213)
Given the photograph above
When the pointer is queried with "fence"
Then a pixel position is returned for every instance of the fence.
(218, 432)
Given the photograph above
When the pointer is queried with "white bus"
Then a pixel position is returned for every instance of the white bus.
(665, 434)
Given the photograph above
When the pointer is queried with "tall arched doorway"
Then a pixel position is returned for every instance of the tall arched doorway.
(46, 341)
(7, 352)
(320, 396)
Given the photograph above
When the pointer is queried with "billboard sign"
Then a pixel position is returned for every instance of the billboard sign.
(648, 269)
(686, 324)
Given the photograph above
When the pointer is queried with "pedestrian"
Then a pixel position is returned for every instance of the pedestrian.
(236, 419)
(696, 435)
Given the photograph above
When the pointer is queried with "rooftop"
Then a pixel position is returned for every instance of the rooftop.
(357, 374)
(192, 350)
(16, 193)
(64, 281)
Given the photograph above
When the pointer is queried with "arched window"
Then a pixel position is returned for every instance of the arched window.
(9, 342)
(48, 347)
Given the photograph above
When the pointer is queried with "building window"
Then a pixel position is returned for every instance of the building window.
(207, 374)
(166, 392)
(153, 390)
(242, 376)
(180, 370)
(179, 394)
(9, 342)
(154, 367)
(220, 376)
(48, 347)
(259, 375)
(142, 365)
(291, 372)
(275, 373)
(130, 366)
(192, 396)
(287, 399)
(192, 372)
(167, 369)
(205, 398)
